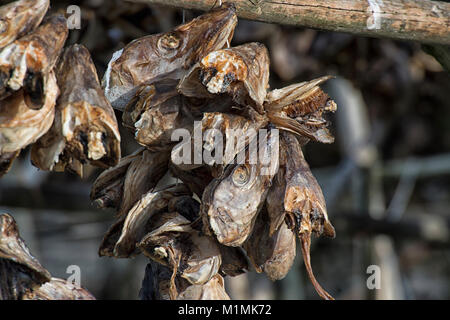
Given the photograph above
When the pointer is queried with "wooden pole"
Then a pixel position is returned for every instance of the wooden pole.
(418, 20)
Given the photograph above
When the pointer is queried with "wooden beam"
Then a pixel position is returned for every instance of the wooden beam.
(417, 20)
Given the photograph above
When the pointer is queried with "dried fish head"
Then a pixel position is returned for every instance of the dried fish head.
(196, 179)
(148, 96)
(155, 126)
(242, 72)
(59, 289)
(166, 55)
(214, 289)
(237, 132)
(20, 272)
(20, 125)
(299, 108)
(19, 18)
(160, 284)
(158, 109)
(146, 205)
(135, 225)
(85, 128)
(275, 208)
(121, 186)
(231, 203)
(6, 161)
(26, 63)
(305, 204)
(303, 193)
(271, 254)
(142, 176)
(107, 189)
(223, 136)
(176, 244)
(234, 261)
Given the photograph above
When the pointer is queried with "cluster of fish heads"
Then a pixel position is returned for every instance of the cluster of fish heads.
(50, 96)
(224, 214)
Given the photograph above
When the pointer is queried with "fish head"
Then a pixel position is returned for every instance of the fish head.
(167, 55)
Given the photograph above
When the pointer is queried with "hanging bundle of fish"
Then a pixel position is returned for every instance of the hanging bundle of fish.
(226, 209)
(50, 99)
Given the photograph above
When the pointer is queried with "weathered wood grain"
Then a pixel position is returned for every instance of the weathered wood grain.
(419, 20)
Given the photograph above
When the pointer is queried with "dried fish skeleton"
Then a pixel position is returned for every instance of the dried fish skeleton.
(23, 277)
(27, 62)
(85, 127)
(167, 55)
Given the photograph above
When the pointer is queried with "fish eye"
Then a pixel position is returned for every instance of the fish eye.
(241, 175)
(169, 41)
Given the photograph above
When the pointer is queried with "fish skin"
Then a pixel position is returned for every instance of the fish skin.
(104, 191)
(305, 204)
(22, 277)
(173, 242)
(167, 55)
(20, 271)
(231, 203)
(21, 125)
(273, 254)
(85, 127)
(241, 72)
(158, 285)
(59, 289)
(135, 224)
(27, 62)
(298, 108)
(19, 18)
(6, 161)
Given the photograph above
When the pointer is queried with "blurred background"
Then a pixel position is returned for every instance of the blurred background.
(386, 179)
